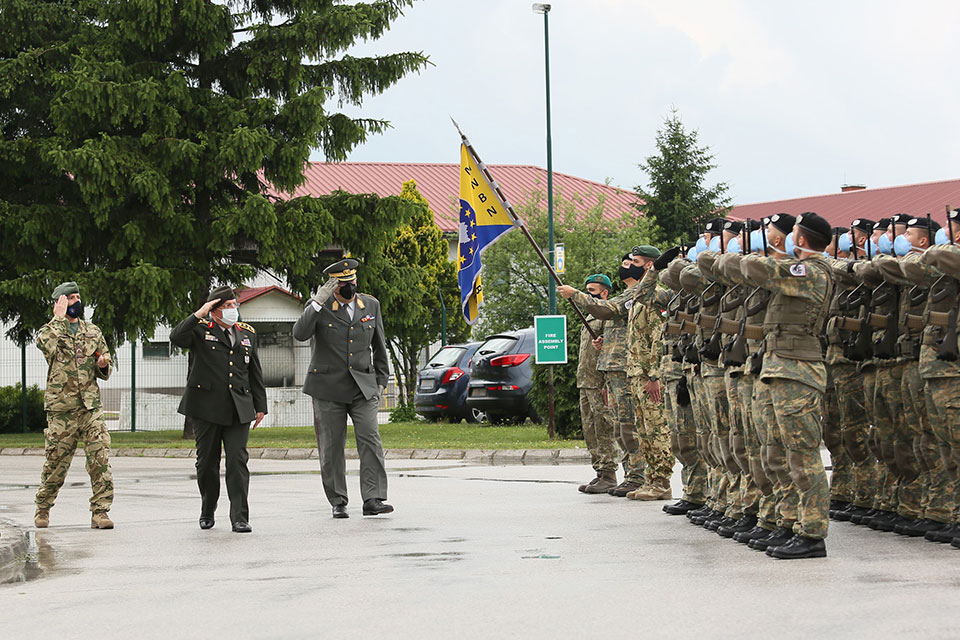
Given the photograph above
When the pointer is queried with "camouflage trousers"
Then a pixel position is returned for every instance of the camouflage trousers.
(797, 408)
(934, 502)
(708, 455)
(774, 456)
(943, 409)
(749, 497)
(64, 430)
(652, 433)
(598, 430)
(683, 442)
(727, 471)
(842, 481)
(620, 403)
(847, 384)
(767, 503)
(896, 442)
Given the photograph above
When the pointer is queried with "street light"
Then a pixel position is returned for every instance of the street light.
(551, 285)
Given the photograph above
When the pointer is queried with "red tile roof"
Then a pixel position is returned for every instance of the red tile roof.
(440, 185)
(249, 293)
(842, 208)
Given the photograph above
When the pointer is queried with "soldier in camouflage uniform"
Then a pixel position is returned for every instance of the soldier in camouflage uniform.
(612, 362)
(678, 409)
(77, 355)
(938, 269)
(794, 373)
(594, 415)
(643, 336)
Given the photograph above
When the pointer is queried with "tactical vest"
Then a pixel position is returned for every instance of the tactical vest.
(932, 334)
(793, 326)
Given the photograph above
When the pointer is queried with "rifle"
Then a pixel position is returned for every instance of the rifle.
(736, 348)
(860, 345)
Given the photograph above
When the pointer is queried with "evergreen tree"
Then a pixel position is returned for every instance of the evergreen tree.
(677, 198)
(148, 145)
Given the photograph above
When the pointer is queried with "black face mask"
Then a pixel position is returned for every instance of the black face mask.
(633, 271)
(597, 296)
(347, 290)
(75, 310)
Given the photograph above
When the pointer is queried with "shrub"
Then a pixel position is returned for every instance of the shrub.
(404, 413)
(11, 410)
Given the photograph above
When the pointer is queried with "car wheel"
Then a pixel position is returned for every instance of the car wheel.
(475, 416)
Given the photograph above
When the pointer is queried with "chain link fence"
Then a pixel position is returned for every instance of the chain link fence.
(148, 379)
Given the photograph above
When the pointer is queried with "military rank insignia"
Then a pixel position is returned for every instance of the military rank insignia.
(367, 318)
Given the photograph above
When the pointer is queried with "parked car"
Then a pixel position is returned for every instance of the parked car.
(501, 376)
(442, 385)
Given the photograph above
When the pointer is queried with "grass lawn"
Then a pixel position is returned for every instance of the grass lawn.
(404, 435)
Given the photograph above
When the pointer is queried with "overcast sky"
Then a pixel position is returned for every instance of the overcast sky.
(794, 99)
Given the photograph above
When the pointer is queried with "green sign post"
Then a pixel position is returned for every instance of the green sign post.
(551, 333)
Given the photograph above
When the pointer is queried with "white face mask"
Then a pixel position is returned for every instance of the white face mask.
(230, 316)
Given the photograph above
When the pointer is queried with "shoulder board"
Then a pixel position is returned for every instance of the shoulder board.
(246, 327)
(201, 321)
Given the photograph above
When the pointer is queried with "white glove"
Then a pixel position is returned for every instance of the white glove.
(324, 292)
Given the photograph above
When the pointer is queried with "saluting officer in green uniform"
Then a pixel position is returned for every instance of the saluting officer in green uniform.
(224, 394)
(78, 356)
(347, 374)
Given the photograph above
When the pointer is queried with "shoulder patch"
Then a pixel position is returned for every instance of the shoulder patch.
(246, 327)
(628, 304)
(798, 269)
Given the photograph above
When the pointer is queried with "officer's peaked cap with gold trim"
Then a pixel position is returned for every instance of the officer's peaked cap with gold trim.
(344, 269)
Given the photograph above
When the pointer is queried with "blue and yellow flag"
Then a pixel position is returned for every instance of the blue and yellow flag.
(483, 219)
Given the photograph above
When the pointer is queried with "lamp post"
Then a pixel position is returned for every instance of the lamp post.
(551, 285)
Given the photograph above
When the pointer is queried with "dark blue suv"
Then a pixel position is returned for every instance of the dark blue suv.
(442, 385)
(501, 376)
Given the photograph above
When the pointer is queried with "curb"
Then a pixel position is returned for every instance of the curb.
(476, 456)
(13, 552)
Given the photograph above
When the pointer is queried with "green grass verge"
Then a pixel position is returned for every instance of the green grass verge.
(404, 435)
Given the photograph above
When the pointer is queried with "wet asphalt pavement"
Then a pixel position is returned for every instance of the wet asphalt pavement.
(471, 552)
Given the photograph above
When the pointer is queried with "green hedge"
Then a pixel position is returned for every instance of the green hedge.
(566, 396)
(11, 410)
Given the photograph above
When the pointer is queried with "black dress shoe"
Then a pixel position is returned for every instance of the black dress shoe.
(775, 538)
(340, 511)
(242, 527)
(680, 508)
(745, 523)
(745, 537)
(945, 534)
(206, 522)
(798, 548)
(375, 507)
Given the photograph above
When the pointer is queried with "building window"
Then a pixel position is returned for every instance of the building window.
(153, 349)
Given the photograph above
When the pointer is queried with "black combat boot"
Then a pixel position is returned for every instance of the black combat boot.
(711, 515)
(945, 534)
(745, 537)
(799, 547)
(701, 511)
(775, 538)
(745, 523)
(681, 507)
(863, 517)
(916, 528)
(883, 522)
(725, 521)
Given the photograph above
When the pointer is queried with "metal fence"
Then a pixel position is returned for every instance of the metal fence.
(148, 379)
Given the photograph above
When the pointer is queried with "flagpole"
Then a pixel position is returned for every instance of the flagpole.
(518, 222)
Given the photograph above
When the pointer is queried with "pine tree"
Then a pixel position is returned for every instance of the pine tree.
(677, 198)
(147, 145)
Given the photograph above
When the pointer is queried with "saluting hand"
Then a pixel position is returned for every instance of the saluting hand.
(260, 415)
(202, 312)
(60, 308)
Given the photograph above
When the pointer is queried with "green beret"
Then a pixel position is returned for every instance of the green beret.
(65, 289)
(646, 251)
(222, 293)
(599, 278)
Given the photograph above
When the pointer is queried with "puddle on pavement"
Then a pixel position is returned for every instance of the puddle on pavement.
(421, 475)
(542, 556)
(450, 540)
(41, 560)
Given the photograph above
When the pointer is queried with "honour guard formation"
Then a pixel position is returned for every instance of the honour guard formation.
(743, 353)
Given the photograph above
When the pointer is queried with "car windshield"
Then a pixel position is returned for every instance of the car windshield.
(496, 345)
(446, 357)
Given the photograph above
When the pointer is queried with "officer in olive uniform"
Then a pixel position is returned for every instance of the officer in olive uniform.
(347, 374)
(224, 393)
